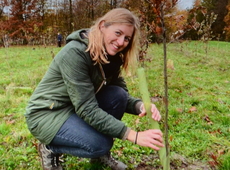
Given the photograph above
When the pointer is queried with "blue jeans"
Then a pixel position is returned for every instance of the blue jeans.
(77, 138)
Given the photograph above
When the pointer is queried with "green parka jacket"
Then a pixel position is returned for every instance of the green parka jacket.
(69, 87)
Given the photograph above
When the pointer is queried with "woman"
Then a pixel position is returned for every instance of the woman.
(78, 105)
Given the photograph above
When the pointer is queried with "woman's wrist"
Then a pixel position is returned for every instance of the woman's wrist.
(132, 136)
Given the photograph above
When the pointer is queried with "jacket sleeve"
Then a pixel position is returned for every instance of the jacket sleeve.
(75, 68)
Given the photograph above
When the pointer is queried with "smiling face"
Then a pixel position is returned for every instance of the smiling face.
(116, 37)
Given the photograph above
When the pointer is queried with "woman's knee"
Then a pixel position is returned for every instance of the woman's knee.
(112, 97)
(121, 94)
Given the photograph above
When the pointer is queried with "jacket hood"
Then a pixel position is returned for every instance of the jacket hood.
(79, 35)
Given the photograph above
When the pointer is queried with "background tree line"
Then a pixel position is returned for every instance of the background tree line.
(39, 21)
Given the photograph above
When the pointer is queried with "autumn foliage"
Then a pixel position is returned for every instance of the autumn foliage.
(227, 21)
(38, 21)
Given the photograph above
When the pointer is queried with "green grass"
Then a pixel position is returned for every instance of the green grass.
(199, 106)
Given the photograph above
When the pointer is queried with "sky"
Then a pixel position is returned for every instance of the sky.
(184, 4)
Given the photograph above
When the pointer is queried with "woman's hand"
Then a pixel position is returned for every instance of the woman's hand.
(150, 138)
(155, 113)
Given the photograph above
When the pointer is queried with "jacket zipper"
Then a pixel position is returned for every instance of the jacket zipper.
(104, 78)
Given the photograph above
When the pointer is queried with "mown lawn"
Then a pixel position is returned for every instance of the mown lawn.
(199, 107)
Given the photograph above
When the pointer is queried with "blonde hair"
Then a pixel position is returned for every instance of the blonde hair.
(96, 47)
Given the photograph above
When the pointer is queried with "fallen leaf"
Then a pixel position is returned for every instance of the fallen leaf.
(119, 152)
(207, 119)
(215, 160)
(10, 122)
(180, 110)
(192, 109)
(221, 152)
(177, 90)
(212, 163)
(216, 131)
(155, 99)
(178, 121)
(221, 101)
(170, 64)
(189, 94)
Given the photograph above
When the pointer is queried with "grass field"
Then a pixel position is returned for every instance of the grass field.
(199, 107)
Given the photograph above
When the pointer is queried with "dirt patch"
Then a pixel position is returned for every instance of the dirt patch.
(177, 162)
